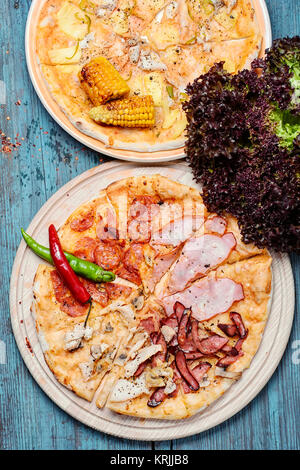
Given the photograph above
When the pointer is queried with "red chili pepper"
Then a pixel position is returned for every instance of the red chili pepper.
(63, 267)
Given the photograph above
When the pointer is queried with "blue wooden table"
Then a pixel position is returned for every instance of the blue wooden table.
(45, 161)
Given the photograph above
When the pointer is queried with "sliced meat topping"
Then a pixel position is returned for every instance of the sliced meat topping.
(99, 294)
(229, 330)
(83, 223)
(141, 212)
(85, 248)
(206, 297)
(106, 228)
(144, 354)
(200, 370)
(148, 324)
(161, 355)
(228, 360)
(185, 372)
(178, 310)
(161, 265)
(216, 224)
(115, 291)
(157, 397)
(237, 320)
(199, 255)
(108, 255)
(209, 345)
(63, 295)
(132, 276)
(177, 231)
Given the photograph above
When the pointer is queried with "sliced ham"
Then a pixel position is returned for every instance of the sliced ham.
(161, 266)
(206, 297)
(177, 231)
(216, 224)
(200, 255)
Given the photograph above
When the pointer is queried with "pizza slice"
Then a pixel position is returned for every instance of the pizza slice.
(208, 335)
(80, 355)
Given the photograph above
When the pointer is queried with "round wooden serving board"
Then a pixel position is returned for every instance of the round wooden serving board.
(59, 116)
(56, 210)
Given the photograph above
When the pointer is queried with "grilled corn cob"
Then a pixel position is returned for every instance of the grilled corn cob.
(137, 111)
(101, 81)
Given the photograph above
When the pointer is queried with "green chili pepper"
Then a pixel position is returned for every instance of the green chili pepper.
(81, 267)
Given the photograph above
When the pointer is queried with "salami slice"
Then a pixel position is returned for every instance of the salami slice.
(116, 291)
(85, 249)
(63, 295)
(83, 223)
(108, 255)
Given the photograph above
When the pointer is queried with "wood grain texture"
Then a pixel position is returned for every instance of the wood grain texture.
(47, 159)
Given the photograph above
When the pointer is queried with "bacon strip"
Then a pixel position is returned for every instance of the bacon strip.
(181, 337)
(228, 360)
(157, 397)
(200, 370)
(148, 325)
(229, 330)
(185, 372)
(178, 310)
(140, 369)
(160, 356)
(238, 321)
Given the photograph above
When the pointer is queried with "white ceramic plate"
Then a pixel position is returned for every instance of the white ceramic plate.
(56, 210)
(58, 115)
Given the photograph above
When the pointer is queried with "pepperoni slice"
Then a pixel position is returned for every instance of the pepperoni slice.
(63, 295)
(60, 288)
(131, 276)
(98, 294)
(83, 223)
(170, 321)
(73, 308)
(85, 248)
(108, 255)
(115, 291)
(134, 257)
(107, 229)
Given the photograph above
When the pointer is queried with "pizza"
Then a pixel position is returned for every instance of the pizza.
(156, 46)
(184, 316)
